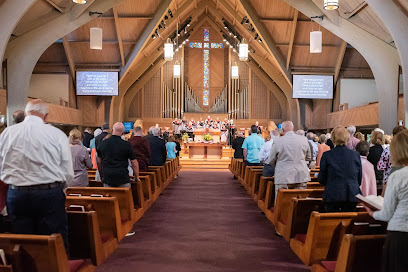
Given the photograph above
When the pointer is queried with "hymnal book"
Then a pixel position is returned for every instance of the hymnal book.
(373, 202)
(77, 208)
(96, 195)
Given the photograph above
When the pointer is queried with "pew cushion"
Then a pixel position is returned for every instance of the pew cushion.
(106, 236)
(75, 265)
(301, 238)
(329, 265)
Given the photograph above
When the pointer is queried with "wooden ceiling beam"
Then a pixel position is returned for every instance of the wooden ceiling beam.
(272, 20)
(119, 36)
(52, 4)
(69, 56)
(266, 38)
(307, 45)
(149, 30)
(339, 61)
(292, 38)
(356, 10)
(136, 17)
(78, 10)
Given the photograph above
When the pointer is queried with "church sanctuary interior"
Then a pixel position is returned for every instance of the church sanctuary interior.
(203, 135)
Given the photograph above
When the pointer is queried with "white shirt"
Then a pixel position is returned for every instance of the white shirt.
(395, 208)
(265, 151)
(33, 153)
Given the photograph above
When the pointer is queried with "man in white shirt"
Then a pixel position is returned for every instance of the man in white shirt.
(268, 170)
(36, 162)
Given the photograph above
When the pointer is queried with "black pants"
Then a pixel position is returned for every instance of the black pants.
(251, 164)
(38, 211)
(340, 206)
(268, 170)
(395, 252)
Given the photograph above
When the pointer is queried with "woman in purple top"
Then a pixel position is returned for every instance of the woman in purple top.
(80, 160)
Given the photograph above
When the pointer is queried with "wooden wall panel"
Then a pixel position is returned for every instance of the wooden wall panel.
(275, 109)
(100, 113)
(359, 116)
(135, 109)
(152, 92)
(88, 106)
(195, 71)
(259, 103)
(321, 108)
(65, 115)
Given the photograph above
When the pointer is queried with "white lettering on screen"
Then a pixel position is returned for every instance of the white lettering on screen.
(97, 83)
(313, 86)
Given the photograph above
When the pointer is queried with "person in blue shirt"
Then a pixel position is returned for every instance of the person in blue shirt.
(252, 146)
(171, 148)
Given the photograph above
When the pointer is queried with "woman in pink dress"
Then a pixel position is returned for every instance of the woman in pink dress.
(368, 182)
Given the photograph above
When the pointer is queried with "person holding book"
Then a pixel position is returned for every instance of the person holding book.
(395, 208)
(368, 182)
(341, 173)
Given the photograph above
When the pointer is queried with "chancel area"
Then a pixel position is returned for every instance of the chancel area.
(203, 135)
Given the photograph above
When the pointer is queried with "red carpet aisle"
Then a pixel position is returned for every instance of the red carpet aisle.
(203, 222)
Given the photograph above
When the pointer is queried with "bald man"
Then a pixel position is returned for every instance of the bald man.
(114, 155)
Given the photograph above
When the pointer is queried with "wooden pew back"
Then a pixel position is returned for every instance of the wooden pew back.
(107, 209)
(41, 252)
(123, 195)
(84, 236)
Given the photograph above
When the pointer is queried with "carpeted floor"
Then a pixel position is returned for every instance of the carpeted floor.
(204, 221)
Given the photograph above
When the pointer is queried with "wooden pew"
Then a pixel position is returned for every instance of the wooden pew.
(161, 174)
(85, 240)
(155, 188)
(263, 193)
(297, 218)
(356, 253)
(314, 245)
(248, 174)
(107, 209)
(314, 185)
(280, 211)
(123, 195)
(43, 253)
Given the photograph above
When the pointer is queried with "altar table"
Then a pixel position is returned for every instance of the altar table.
(204, 150)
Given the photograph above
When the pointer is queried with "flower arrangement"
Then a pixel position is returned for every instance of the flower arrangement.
(185, 137)
(207, 137)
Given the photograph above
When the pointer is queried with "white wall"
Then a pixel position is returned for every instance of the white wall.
(49, 87)
(358, 92)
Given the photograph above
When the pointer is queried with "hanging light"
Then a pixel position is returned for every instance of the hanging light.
(234, 71)
(176, 69)
(243, 50)
(331, 4)
(316, 42)
(96, 38)
(79, 1)
(168, 50)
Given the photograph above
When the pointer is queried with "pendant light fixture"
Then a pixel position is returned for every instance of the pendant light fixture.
(176, 66)
(176, 69)
(168, 50)
(316, 42)
(79, 1)
(234, 71)
(96, 38)
(243, 50)
(331, 4)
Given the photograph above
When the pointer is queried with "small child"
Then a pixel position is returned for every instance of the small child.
(368, 182)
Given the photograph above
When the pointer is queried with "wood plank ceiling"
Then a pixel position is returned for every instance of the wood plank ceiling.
(288, 29)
